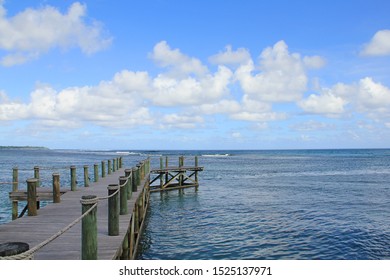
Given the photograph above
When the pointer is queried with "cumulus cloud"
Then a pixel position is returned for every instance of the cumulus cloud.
(373, 99)
(168, 91)
(180, 121)
(178, 63)
(365, 96)
(33, 32)
(114, 102)
(191, 93)
(379, 44)
(326, 103)
(282, 76)
(230, 57)
(314, 62)
(224, 106)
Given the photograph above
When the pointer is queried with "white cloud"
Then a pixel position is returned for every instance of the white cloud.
(314, 62)
(326, 103)
(379, 44)
(282, 77)
(224, 106)
(33, 32)
(236, 135)
(180, 121)
(366, 96)
(373, 99)
(258, 117)
(230, 57)
(169, 91)
(312, 125)
(178, 63)
(110, 103)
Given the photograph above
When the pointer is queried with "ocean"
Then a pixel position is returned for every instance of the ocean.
(279, 204)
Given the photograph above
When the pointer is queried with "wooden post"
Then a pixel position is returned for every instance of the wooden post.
(86, 176)
(113, 165)
(129, 172)
(89, 228)
(103, 169)
(15, 187)
(161, 174)
(147, 166)
(196, 172)
(56, 188)
(32, 196)
(117, 163)
(109, 167)
(123, 195)
(96, 172)
(134, 179)
(73, 183)
(132, 235)
(181, 164)
(113, 210)
(36, 174)
(120, 162)
(166, 166)
(125, 247)
(138, 177)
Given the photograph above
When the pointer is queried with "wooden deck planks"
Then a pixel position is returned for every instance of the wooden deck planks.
(54, 217)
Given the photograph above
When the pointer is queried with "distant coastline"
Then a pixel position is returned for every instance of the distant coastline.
(23, 148)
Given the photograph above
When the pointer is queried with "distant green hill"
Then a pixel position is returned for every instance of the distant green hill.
(22, 148)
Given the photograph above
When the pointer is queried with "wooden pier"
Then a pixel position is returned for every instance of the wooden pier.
(102, 220)
(174, 177)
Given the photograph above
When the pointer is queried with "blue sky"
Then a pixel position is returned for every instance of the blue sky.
(221, 74)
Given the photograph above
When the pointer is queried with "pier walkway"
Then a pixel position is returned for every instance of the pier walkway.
(58, 232)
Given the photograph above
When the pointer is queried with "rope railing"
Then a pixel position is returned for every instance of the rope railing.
(117, 191)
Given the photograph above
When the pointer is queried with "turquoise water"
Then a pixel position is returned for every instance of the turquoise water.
(305, 204)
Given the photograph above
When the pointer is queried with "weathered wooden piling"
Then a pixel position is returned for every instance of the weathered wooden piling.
(123, 195)
(73, 178)
(103, 169)
(109, 166)
(129, 173)
(36, 174)
(15, 187)
(113, 210)
(56, 188)
(89, 228)
(86, 176)
(96, 172)
(161, 177)
(32, 196)
(196, 171)
(135, 178)
(181, 164)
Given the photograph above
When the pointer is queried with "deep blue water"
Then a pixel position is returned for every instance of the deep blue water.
(295, 204)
